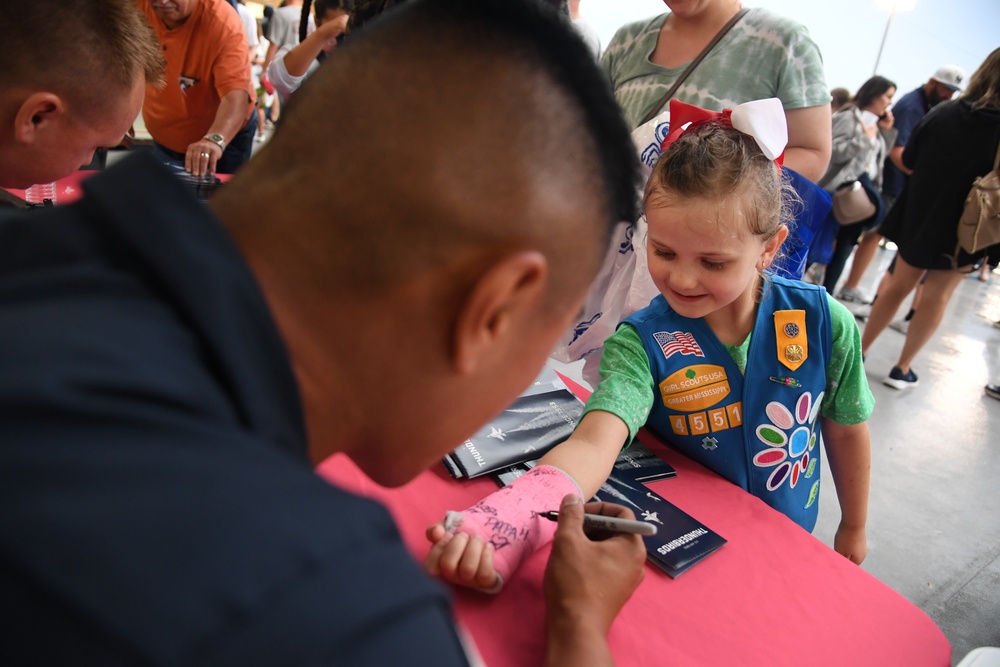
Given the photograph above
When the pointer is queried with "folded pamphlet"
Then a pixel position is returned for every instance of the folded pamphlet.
(543, 416)
(680, 542)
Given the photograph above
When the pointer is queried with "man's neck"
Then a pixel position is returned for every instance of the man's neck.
(929, 100)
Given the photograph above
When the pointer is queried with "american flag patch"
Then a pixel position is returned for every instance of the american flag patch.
(672, 342)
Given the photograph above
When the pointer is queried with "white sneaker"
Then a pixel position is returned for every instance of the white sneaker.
(815, 274)
(852, 295)
(901, 326)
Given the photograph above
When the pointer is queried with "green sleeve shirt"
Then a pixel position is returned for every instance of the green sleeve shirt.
(626, 388)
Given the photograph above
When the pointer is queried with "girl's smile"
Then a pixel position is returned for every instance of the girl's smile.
(705, 262)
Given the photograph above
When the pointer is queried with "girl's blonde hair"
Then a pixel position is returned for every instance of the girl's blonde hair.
(713, 161)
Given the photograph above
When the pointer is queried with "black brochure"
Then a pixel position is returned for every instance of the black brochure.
(524, 431)
(638, 464)
(635, 463)
(681, 540)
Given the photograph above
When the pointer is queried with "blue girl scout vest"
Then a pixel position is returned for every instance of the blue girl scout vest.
(761, 429)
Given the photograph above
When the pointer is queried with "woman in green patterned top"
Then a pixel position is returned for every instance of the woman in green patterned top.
(764, 55)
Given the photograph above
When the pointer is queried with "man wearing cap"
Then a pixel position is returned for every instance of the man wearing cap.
(907, 112)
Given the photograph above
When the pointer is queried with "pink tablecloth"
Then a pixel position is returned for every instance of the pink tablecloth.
(774, 595)
(68, 189)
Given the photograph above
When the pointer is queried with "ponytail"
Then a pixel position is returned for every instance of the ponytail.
(304, 20)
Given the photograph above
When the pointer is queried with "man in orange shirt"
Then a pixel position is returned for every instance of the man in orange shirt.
(204, 115)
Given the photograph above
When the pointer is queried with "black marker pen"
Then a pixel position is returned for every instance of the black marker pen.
(609, 523)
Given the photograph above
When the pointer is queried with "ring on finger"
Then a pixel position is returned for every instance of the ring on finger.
(205, 155)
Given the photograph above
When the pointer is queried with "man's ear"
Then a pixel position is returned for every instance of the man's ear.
(510, 290)
(36, 114)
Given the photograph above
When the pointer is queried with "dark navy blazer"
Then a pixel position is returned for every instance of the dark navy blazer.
(156, 503)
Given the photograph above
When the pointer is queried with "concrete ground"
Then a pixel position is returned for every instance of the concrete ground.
(934, 523)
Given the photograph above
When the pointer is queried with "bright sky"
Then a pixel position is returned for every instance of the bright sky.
(919, 40)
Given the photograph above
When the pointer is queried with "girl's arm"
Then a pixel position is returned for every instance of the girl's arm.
(587, 457)
(589, 454)
(580, 465)
(848, 449)
(298, 60)
(284, 83)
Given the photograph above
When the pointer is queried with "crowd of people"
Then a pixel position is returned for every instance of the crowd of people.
(954, 142)
(175, 369)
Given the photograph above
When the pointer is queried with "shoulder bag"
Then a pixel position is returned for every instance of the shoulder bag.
(851, 204)
(662, 102)
(979, 226)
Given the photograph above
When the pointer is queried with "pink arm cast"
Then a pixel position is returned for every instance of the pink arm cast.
(508, 519)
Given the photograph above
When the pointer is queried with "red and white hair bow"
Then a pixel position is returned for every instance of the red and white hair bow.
(764, 120)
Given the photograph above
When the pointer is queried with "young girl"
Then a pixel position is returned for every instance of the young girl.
(291, 67)
(738, 369)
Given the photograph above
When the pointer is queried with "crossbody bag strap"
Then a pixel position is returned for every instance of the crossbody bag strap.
(694, 63)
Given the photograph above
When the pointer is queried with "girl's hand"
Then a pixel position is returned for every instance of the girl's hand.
(331, 30)
(851, 543)
(459, 558)
(483, 546)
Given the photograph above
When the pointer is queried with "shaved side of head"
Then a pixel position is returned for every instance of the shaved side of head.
(88, 50)
(447, 129)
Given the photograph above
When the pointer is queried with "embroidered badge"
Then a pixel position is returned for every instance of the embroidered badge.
(695, 388)
(672, 342)
(794, 353)
(814, 491)
(709, 443)
(789, 438)
(790, 333)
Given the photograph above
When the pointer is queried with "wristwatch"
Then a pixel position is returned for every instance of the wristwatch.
(217, 139)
